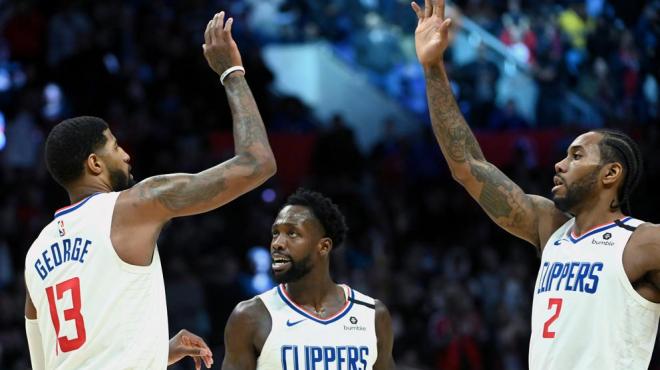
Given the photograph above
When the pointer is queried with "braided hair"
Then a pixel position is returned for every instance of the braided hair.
(619, 147)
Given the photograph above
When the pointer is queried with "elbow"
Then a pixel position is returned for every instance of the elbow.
(269, 166)
(264, 165)
(460, 174)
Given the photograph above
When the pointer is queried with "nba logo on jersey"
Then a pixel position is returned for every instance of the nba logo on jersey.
(60, 227)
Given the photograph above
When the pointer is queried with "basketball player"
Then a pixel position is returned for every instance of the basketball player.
(598, 287)
(308, 322)
(96, 298)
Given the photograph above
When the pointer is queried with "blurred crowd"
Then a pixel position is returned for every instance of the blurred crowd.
(459, 289)
(605, 53)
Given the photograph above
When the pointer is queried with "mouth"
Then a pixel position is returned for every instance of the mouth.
(280, 263)
(558, 183)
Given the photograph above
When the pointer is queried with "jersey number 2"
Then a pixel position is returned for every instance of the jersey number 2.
(546, 328)
(73, 313)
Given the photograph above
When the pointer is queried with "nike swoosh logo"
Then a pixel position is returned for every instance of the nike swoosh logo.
(289, 323)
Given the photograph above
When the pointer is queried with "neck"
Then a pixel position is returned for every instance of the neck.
(313, 290)
(82, 191)
(594, 215)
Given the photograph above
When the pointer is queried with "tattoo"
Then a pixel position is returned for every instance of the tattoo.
(249, 128)
(176, 192)
(179, 191)
(455, 137)
(500, 197)
(252, 164)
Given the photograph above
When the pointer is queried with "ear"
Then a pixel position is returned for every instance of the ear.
(325, 246)
(94, 164)
(613, 172)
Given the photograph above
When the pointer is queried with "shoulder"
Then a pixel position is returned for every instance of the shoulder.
(249, 315)
(646, 234)
(249, 322)
(383, 318)
(250, 311)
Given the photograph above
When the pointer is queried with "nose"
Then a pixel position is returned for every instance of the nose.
(277, 244)
(560, 167)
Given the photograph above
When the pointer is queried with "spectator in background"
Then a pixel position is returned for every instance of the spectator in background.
(507, 118)
(393, 225)
(479, 81)
(517, 34)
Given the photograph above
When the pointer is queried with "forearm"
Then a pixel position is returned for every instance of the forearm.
(498, 195)
(250, 138)
(453, 134)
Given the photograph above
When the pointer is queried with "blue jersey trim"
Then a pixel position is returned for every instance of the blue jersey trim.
(74, 207)
(305, 314)
(598, 230)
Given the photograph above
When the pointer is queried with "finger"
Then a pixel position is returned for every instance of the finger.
(208, 361)
(198, 363)
(228, 25)
(439, 8)
(444, 28)
(207, 33)
(418, 11)
(445, 25)
(198, 342)
(213, 22)
(428, 8)
(219, 25)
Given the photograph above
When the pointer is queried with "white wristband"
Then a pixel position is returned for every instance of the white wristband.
(228, 71)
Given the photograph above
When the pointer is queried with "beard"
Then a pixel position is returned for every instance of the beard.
(297, 271)
(577, 192)
(120, 180)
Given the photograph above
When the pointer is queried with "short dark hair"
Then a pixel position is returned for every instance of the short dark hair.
(324, 210)
(69, 144)
(615, 146)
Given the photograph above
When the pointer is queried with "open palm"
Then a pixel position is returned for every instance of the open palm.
(432, 33)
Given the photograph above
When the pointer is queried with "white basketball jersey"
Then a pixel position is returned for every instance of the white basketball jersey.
(94, 310)
(586, 313)
(299, 340)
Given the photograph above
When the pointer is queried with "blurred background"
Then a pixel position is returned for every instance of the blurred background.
(343, 99)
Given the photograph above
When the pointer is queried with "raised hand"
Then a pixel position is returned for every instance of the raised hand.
(432, 33)
(220, 49)
(185, 344)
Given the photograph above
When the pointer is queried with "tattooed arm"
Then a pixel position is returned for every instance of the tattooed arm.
(529, 217)
(141, 211)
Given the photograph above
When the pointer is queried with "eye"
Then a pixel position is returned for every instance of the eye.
(292, 234)
(275, 233)
(577, 156)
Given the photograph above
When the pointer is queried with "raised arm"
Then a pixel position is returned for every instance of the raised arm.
(167, 196)
(385, 338)
(141, 211)
(529, 217)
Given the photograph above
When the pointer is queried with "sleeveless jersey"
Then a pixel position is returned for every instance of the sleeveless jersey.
(299, 340)
(586, 313)
(94, 310)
